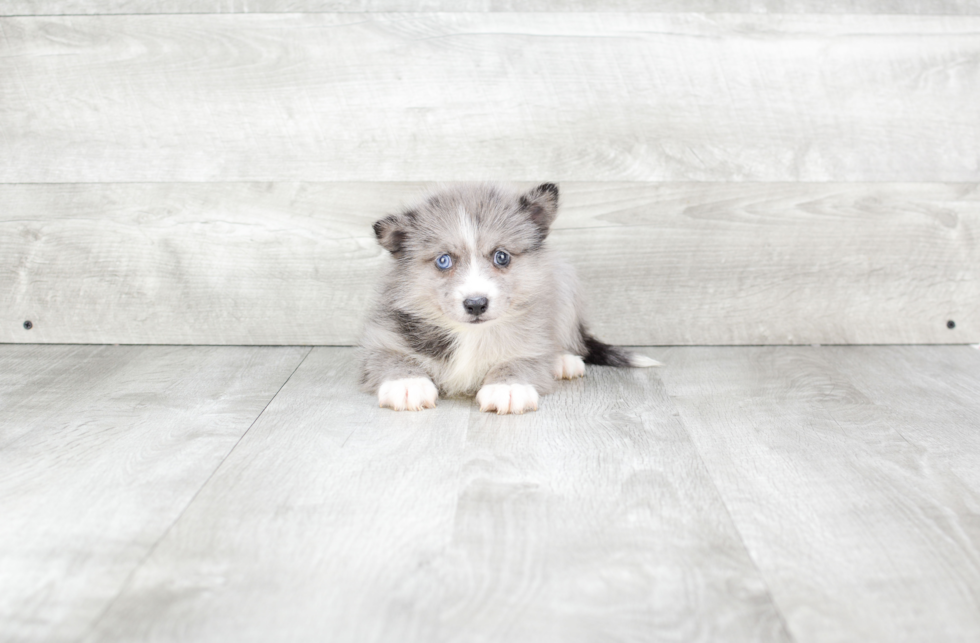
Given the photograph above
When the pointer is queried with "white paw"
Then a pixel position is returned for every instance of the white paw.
(508, 398)
(410, 394)
(568, 367)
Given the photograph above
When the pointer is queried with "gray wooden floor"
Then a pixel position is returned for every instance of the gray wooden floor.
(252, 494)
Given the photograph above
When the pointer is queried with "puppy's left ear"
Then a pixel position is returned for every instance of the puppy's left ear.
(541, 206)
(391, 232)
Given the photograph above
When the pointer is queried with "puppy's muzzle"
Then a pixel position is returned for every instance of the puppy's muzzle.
(476, 306)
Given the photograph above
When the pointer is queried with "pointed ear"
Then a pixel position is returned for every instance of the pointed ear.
(391, 232)
(541, 205)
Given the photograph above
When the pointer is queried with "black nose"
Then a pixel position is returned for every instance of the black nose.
(476, 306)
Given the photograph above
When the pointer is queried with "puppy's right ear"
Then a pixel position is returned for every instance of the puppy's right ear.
(391, 233)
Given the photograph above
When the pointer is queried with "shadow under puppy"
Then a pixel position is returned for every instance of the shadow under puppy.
(476, 302)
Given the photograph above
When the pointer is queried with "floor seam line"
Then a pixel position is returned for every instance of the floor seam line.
(190, 502)
(728, 513)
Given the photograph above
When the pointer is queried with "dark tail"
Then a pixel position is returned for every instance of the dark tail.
(602, 354)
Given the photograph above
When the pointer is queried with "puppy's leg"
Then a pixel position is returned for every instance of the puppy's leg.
(514, 387)
(399, 382)
(568, 367)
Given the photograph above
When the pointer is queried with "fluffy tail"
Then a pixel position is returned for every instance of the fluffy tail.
(601, 354)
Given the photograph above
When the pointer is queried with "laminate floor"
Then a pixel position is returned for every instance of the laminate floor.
(162, 493)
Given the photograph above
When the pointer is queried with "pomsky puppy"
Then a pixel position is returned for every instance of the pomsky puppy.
(476, 302)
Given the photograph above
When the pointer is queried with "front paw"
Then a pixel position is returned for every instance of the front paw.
(508, 398)
(411, 394)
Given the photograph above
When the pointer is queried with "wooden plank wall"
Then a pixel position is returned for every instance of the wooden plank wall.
(784, 174)
(88, 7)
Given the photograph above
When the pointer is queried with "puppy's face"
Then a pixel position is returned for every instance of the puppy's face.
(469, 255)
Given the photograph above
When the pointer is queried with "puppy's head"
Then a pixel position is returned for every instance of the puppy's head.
(471, 255)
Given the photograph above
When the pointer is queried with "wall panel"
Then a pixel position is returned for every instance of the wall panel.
(504, 96)
(681, 263)
(800, 172)
(90, 7)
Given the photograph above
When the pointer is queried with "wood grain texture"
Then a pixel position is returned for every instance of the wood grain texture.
(860, 533)
(90, 7)
(756, 494)
(101, 449)
(508, 96)
(321, 526)
(932, 393)
(296, 263)
(591, 519)
(594, 519)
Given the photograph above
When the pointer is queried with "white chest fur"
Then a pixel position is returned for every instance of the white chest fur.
(477, 351)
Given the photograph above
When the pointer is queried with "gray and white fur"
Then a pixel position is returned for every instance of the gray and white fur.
(476, 302)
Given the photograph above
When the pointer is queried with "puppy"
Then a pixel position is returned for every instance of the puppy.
(476, 302)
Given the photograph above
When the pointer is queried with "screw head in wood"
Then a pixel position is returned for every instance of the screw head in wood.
(28, 325)
(951, 324)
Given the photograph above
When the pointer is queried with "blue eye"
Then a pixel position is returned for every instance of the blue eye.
(444, 262)
(501, 258)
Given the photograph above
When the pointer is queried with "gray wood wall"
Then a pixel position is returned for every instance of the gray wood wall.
(207, 171)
